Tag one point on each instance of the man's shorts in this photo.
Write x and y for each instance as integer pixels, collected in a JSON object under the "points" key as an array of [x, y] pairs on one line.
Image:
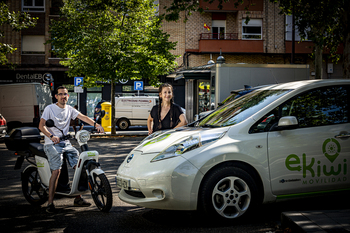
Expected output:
{"points": [[54, 153]]}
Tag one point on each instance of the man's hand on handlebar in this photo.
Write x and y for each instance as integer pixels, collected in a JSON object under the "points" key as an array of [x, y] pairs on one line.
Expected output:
{"points": [[55, 139], [99, 128]]}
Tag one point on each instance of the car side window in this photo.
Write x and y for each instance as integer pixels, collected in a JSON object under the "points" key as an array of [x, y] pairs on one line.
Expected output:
{"points": [[318, 107], [266, 122]]}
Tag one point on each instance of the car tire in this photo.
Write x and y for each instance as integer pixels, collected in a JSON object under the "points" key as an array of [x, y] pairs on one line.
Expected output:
{"points": [[227, 193], [123, 124]]}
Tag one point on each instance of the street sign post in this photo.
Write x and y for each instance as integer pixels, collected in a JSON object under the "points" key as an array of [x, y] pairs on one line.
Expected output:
{"points": [[138, 86]]}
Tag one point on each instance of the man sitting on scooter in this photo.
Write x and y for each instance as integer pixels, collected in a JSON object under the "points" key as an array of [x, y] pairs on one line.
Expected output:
{"points": [[61, 114]]}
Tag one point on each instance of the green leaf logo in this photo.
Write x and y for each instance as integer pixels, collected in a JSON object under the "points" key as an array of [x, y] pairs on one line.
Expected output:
{"points": [[331, 149]]}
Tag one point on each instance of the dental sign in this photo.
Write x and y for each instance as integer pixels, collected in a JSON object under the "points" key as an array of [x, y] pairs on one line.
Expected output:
{"points": [[333, 169]]}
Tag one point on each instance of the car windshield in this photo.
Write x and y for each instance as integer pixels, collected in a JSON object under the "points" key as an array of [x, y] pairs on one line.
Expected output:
{"points": [[241, 108]]}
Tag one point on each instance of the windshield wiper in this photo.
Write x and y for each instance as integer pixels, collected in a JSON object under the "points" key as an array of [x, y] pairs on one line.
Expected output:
{"points": [[209, 126]]}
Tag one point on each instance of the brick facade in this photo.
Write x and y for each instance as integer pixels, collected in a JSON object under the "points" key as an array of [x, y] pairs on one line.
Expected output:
{"points": [[273, 37]]}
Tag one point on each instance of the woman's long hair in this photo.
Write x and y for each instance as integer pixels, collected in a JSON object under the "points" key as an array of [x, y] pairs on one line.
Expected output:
{"points": [[160, 105]]}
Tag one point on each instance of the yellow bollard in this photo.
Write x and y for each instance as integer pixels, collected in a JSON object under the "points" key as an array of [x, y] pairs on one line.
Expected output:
{"points": [[106, 121]]}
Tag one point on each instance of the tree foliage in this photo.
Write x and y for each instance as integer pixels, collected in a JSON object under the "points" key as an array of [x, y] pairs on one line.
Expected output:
{"points": [[112, 40], [324, 22], [17, 21]]}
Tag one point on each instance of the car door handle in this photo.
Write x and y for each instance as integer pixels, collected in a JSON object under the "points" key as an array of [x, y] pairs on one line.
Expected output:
{"points": [[342, 136]]}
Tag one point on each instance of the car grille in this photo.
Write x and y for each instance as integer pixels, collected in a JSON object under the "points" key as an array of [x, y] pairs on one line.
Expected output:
{"points": [[135, 193]]}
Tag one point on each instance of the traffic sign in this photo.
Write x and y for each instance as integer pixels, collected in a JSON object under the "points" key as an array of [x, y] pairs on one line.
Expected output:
{"points": [[138, 86], [78, 90], [78, 81]]}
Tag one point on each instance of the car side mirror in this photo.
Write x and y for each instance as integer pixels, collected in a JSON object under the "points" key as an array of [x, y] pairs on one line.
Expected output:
{"points": [[288, 122], [50, 123]]}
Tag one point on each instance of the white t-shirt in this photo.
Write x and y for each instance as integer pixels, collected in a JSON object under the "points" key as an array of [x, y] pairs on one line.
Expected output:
{"points": [[61, 117]]}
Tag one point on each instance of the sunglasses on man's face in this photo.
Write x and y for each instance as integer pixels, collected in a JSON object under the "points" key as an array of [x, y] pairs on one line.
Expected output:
{"points": [[62, 94]]}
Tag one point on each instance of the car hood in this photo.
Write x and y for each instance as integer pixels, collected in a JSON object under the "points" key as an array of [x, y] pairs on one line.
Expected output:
{"points": [[161, 140]]}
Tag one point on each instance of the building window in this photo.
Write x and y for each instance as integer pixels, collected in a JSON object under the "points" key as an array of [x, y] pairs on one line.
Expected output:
{"points": [[33, 44], [33, 5], [252, 30], [289, 29], [218, 27]]}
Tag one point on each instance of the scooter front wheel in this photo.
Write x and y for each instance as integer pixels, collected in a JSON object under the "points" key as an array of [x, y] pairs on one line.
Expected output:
{"points": [[32, 189], [101, 192]]}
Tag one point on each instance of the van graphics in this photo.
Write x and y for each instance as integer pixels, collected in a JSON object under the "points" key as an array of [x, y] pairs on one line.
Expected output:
{"points": [[136, 102], [320, 171]]}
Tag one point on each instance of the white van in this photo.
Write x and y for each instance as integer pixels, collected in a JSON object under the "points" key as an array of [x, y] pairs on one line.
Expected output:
{"points": [[133, 110], [22, 104]]}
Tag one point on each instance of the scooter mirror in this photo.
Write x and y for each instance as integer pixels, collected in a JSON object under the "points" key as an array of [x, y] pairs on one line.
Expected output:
{"points": [[102, 114], [50, 123]]}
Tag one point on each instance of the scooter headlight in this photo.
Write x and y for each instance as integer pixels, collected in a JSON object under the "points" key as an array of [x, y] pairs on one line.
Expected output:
{"points": [[83, 136], [187, 144]]}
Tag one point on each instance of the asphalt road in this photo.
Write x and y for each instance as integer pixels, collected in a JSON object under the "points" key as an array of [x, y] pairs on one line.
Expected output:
{"points": [[17, 215]]}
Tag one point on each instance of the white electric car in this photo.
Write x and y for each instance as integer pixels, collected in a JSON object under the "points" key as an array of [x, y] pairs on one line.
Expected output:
{"points": [[282, 141]]}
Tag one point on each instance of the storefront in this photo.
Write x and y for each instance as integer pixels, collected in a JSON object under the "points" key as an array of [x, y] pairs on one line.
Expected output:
{"points": [[89, 98], [198, 91]]}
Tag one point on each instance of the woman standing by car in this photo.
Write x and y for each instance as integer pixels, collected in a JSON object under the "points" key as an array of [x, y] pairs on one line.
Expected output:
{"points": [[166, 115]]}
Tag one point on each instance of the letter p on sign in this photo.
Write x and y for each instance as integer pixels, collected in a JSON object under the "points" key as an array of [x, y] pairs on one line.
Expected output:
{"points": [[78, 81]]}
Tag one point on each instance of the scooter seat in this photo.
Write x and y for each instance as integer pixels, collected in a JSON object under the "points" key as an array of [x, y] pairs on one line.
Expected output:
{"points": [[37, 149]]}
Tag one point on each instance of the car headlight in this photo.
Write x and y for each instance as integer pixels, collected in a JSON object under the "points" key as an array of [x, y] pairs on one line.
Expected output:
{"points": [[187, 144]]}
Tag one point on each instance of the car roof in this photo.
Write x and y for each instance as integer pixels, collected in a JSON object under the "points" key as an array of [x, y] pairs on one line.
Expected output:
{"points": [[307, 84]]}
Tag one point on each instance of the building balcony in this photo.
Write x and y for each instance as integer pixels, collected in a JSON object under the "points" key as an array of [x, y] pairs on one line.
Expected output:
{"points": [[253, 5], [228, 43], [306, 47]]}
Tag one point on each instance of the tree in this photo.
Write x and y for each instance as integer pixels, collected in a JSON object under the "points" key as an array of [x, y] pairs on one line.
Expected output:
{"points": [[17, 21], [325, 22], [110, 40]]}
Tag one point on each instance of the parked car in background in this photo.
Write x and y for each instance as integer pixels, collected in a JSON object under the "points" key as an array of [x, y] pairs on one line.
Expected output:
{"points": [[133, 110], [234, 95], [23, 103], [279, 142], [3, 126]]}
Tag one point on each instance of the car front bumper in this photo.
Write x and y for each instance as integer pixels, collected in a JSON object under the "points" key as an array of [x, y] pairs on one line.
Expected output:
{"points": [[166, 184]]}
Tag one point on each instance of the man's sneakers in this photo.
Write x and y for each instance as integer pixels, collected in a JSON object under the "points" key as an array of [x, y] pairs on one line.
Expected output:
{"points": [[81, 202], [51, 208]]}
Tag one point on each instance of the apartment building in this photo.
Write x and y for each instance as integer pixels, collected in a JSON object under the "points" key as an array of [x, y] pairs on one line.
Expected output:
{"points": [[265, 39]]}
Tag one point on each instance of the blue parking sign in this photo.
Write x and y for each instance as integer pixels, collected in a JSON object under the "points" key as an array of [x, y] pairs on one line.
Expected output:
{"points": [[138, 85], [78, 81]]}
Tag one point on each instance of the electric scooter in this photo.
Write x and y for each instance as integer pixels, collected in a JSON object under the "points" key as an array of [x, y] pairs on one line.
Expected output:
{"points": [[88, 175]]}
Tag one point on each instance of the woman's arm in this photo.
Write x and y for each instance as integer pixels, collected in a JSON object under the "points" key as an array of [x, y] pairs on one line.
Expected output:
{"points": [[149, 124], [183, 121]]}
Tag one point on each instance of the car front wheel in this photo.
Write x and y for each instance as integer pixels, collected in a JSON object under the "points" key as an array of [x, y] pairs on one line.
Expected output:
{"points": [[228, 193]]}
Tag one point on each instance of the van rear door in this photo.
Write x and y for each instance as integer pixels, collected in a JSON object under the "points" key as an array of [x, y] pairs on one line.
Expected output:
{"points": [[141, 110]]}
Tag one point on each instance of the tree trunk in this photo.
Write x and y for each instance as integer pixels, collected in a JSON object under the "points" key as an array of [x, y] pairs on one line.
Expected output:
{"points": [[113, 131], [318, 61]]}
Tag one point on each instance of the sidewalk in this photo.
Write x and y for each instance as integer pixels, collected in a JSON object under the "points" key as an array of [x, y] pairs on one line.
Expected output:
{"points": [[317, 221]]}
